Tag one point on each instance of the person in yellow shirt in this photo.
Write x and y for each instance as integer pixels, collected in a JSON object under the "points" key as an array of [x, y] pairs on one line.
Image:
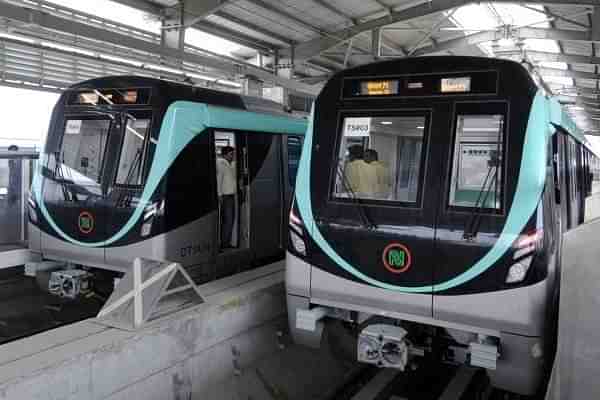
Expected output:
{"points": [[383, 173], [360, 178]]}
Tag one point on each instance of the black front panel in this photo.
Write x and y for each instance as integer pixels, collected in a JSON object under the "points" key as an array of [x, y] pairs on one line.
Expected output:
{"points": [[453, 220], [190, 188]]}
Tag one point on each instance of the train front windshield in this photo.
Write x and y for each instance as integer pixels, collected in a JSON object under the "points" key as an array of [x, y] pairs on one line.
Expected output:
{"points": [[380, 158], [83, 148]]}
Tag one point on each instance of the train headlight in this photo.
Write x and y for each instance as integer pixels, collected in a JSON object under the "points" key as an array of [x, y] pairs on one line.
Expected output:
{"points": [[518, 271], [297, 242], [297, 232], [32, 210]]}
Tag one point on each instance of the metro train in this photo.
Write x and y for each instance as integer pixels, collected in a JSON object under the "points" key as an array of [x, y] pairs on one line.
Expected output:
{"points": [[129, 170], [447, 236]]}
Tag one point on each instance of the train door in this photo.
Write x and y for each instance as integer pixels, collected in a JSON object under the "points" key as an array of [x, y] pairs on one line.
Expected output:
{"points": [[266, 194], [573, 195], [473, 207], [560, 183], [233, 228]]}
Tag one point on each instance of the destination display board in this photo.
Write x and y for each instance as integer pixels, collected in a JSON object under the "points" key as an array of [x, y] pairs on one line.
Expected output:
{"points": [[467, 83]]}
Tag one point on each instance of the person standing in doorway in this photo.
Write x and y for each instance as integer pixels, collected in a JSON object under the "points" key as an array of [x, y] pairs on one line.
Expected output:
{"points": [[226, 188]]}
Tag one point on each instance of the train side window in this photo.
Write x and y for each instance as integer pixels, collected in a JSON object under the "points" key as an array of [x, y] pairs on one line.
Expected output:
{"points": [[380, 158], [476, 179], [294, 149], [129, 170]]}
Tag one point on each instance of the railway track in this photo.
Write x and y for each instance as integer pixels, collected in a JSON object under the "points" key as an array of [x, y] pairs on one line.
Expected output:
{"points": [[430, 381]]}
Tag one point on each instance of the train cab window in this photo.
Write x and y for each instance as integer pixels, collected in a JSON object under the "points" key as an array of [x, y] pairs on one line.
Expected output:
{"points": [[380, 158], [476, 179], [82, 149], [129, 171], [294, 149]]}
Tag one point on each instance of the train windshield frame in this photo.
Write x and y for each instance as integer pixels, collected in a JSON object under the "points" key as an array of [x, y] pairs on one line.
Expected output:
{"points": [[86, 169], [137, 136], [477, 165], [382, 177]]}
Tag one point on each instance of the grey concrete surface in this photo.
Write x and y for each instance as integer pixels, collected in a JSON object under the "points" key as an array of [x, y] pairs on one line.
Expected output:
{"points": [[577, 366], [173, 358], [292, 373]]}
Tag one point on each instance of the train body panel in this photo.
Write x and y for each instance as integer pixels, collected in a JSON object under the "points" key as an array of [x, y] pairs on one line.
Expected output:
{"points": [[460, 229]]}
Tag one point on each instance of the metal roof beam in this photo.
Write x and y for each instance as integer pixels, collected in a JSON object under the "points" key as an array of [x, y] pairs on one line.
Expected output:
{"points": [[488, 36], [205, 26], [568, 73], [580, 91], [48, 21], [554, 34], [554, 16], [279, 11], [143, 5], [195, 11], [316, 46], [463, 41], [554, 57], [335, 10], [253, 27]]}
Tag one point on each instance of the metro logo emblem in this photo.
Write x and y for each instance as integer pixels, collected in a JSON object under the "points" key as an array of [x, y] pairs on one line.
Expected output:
{"points": [[396, 258], [85, 222]]}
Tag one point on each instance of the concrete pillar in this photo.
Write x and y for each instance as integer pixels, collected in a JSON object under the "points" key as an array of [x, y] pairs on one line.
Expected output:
{"points": [[376, 43], [596, 24]]}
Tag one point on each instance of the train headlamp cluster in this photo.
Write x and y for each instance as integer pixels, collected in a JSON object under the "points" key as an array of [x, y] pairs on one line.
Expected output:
{"points": [[32, 210], [151, 211], [296, 233], [524, 246]]}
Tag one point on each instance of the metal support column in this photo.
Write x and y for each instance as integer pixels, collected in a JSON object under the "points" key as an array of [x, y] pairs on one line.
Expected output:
{"points": [[376, 43], [596, 24], [173, 31]]}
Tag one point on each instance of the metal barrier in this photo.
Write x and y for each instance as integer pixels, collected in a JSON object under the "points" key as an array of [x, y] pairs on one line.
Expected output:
{"points": [[150, 290], [16, 173]]}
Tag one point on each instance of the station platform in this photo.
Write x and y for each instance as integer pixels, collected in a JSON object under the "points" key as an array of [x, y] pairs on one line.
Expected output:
{"points": [[577, 364], [203, 352]]}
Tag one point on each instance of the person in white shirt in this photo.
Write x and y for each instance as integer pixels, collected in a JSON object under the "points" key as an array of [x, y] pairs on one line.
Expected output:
{"points": [[226, 188]]}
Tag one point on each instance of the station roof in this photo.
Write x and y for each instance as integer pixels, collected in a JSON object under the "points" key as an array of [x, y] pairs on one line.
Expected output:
{"points": [[558, 40]]}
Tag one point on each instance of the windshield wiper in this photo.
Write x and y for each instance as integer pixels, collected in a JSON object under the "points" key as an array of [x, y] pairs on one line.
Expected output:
{"points": [[474, 221], [362, 212]]}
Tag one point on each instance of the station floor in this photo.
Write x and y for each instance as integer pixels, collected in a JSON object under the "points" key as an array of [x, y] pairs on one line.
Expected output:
{"points": [[577, 366]]}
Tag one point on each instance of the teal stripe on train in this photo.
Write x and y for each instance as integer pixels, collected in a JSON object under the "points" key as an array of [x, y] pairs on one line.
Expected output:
{"points": [[530, 186], [182, 122]]}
